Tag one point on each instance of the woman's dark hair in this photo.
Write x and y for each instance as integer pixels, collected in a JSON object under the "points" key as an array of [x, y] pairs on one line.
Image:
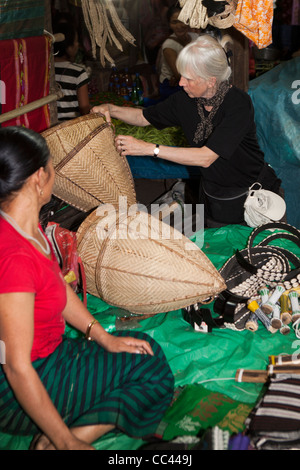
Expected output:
{"points": [[22, 153], [68, 30], [173, 9]]}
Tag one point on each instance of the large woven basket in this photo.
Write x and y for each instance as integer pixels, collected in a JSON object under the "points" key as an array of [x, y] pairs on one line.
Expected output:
{"points": [[143, 265], [89, 170]]}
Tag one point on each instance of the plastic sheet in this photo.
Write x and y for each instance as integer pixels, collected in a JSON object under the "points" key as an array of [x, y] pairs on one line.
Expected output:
{"points": [[276, 99], [209, 360]]}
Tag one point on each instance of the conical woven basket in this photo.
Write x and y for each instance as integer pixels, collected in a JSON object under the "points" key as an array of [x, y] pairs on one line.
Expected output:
{"points": [[89, 171], [143, 265]]}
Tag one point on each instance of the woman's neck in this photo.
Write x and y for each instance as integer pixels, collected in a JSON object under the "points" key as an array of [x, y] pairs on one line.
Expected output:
{"points": [[62, 59], [184, 40], [26, 217]]}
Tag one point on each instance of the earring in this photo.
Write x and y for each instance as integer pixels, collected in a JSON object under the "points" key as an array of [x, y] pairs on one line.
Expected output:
{"points": [[41, 192]]}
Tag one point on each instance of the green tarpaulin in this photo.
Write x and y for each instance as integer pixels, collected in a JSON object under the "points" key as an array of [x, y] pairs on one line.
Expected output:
{"points": [[204, 364]]}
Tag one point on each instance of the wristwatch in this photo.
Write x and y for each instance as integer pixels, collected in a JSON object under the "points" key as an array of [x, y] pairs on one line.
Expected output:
{"points": [[156, 151]]}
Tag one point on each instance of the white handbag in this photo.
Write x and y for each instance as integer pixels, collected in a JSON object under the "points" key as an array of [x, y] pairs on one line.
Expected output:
{"points": [[263, 206]]}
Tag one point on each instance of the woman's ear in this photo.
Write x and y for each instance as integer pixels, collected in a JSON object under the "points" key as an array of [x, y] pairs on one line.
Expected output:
{"points": [[39, 179], [212, 82]]}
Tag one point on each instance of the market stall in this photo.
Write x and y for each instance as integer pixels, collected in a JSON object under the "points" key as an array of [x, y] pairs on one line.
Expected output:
{"points": [[204, 365]]}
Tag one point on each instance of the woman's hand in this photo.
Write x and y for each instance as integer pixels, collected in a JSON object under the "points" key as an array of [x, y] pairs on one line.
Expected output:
{"points": [[102, 109], [128, 344], [41, 442], [128, 145]]}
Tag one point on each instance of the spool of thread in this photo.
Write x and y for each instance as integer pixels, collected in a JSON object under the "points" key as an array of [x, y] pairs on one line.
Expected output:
{"points": [[293, 296], [251, 376], [285, 330], [286, 317], [254, 307], [268, 306], [252, 324], [285, 359], [276, 320], [264, 294]]}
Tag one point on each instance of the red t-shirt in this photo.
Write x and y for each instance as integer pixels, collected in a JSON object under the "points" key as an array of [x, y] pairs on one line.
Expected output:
{"points": [[24, 269]]}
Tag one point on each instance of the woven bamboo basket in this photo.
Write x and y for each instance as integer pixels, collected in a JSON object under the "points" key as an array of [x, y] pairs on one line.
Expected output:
{"points": [[143, 265], [89, 171]]}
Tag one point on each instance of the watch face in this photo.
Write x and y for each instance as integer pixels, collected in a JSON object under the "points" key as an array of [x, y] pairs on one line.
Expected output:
{"points": [[156, 151]]}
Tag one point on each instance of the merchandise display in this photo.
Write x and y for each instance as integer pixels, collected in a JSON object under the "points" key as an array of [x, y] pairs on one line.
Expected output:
{"points": [[204, 364]]}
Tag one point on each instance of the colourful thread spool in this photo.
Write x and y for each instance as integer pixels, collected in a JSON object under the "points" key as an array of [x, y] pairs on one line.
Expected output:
{"points": [[254, 307], [286, 317], [293, 296], [252, 324], [269, 305], [285, 330], [264, 294], [276, 321]]}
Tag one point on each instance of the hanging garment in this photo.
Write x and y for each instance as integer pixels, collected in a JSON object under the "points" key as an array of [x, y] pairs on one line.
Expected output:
{"points": [[19, 19], [24, 74], [254, 18]]}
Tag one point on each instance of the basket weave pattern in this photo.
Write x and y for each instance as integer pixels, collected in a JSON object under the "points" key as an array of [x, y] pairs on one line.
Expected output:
{"points": [[144, 274], [89, 170]]}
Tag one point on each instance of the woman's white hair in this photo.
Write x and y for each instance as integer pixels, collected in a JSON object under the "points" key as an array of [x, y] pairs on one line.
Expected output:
{"points": [[206, 58]]}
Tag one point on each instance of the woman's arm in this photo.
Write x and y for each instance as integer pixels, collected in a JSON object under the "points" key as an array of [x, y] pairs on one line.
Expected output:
{"points": [[133, 116], [77, 315], [16, 326], [170, 56], [203, 156], [83, 99]]}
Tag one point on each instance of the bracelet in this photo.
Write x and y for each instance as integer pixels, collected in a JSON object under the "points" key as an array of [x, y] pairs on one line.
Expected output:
{"points": [[156, 151], [88, 330]]}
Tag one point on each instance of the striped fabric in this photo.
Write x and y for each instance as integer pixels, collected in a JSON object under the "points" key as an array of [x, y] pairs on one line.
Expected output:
{"points": [[70, 77], [88, 386], [275, 421], [21, 19]]}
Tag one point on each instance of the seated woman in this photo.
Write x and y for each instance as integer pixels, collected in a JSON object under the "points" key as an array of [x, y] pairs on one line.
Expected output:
{"points": [[71, 77], [65, 391], [180, 37]]}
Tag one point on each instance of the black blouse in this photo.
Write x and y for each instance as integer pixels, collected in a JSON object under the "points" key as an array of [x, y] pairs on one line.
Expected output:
{"points": [[233, 138]]}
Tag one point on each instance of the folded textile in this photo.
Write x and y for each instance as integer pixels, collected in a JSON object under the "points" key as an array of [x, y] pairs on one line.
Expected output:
{"points": [[24, 74], [274, 422]]}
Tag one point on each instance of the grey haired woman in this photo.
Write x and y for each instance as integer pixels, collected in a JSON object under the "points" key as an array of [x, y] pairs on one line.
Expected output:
{"points": [[218, 121]]}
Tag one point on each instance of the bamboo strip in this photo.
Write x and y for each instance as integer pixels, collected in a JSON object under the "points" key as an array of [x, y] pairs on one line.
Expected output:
{"points": [[261, 376], [30, 106], [251, 376], [284, 360]]}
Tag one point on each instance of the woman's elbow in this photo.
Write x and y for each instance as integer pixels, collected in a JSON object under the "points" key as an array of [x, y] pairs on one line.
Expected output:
{"points": [[13, 369], [208, 160], [206, 164]]}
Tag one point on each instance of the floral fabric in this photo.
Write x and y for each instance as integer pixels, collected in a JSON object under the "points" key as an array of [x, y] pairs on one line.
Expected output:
{"points": [[254, 19]]}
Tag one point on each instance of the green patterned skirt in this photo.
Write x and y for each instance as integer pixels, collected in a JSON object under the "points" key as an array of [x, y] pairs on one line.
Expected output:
{"points": [[89, 385]]}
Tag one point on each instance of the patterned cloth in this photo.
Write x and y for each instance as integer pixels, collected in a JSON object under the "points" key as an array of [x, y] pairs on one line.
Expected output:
{"points": [[20, 19], [254, 18], [274, 422], [24, 74], [89, 385]]}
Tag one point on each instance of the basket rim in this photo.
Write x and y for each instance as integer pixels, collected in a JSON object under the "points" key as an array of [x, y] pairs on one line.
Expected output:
{"points": [[75, 121]]}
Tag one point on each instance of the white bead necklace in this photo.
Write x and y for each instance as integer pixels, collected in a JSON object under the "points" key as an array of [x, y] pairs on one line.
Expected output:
{"points": [[14, 224]]}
